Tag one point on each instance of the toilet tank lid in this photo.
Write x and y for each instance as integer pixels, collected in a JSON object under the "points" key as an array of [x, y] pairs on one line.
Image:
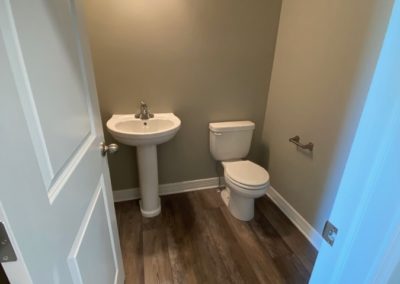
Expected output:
{"points": [[231, 126]]}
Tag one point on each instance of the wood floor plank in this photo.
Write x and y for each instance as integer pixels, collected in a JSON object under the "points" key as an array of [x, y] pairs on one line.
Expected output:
{"points": [[292, 269], [261, 262], [197, 240], [210, 199], [210, 267], [3, 276], [285, 260], [233, 257], [289, 233], [157, 266], [268, 236], [130, 232], [180, 249], [226, 245]]}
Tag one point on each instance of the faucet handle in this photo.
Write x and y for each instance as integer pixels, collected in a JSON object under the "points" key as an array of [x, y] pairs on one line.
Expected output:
{"points": [[143, 106], [144, 112]]}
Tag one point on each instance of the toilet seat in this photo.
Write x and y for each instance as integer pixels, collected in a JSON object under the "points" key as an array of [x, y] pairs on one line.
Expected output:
{"points": [[244, 186], [246, 174]]}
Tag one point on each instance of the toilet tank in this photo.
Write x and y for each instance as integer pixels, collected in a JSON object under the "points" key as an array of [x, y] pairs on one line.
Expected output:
{"points": [[230, 140]]}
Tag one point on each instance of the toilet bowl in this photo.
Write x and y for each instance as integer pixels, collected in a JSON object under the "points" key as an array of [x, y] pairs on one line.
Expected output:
{"points": [[245, 181]]}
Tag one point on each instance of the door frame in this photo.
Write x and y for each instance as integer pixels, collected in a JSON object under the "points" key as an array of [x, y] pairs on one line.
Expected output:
{"points": [[366, 163]]}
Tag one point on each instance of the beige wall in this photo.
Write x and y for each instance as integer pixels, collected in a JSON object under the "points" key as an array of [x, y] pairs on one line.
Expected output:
{"points": [[203, 60], [325, 57]]}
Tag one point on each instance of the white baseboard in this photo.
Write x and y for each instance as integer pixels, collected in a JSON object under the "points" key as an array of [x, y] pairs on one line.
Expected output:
{"points": [[126, 194], [304, 227], [178, 187], [168, 188]]}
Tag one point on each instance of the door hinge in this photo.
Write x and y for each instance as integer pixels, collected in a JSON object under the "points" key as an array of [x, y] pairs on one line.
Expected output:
{"points": [[7, 253], [329, 233]]}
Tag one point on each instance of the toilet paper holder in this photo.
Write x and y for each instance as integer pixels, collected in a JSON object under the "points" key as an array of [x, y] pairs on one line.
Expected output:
{"points": [[296, 140]]}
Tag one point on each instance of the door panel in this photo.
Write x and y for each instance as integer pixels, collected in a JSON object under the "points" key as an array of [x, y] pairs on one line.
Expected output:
{"points": [[44, 34], [67, 173], [55, 191], [94, 232], [366, 209]]}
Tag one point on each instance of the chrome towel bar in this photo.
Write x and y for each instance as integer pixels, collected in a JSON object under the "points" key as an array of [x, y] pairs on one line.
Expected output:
{"points": [[296, 140]]}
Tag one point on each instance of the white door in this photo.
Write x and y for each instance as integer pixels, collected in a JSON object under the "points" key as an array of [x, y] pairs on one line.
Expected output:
{"points": [[55, 192], [367, 206]]}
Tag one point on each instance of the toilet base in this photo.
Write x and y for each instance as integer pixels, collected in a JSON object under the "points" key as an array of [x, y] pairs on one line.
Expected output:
{"points": [[241, 208], [225, 196]]}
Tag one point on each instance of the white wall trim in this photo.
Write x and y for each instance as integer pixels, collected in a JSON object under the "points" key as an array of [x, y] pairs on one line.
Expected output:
{"points": [[168, 188], [126, 194], [304, 227], [172, 188]]}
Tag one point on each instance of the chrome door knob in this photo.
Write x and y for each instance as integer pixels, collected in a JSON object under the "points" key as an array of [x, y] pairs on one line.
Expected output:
{"points": [[112, 148]]}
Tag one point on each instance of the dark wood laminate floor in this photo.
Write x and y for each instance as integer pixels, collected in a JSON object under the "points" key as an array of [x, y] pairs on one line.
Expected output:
{"points": [[196, 240]]}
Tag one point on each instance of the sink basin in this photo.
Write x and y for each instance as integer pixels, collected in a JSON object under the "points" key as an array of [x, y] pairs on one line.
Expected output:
{"points": [[145, 135], [135, 132]]}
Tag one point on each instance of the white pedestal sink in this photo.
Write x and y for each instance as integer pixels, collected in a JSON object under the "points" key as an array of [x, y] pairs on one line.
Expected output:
{"points": [[145, 135]]}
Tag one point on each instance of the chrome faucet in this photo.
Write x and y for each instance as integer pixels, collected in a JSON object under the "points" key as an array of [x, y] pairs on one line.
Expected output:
{"points": [[144, 112]]}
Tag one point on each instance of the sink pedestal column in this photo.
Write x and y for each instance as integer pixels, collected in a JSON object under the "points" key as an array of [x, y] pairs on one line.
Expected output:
{"points": [[150, 205]]}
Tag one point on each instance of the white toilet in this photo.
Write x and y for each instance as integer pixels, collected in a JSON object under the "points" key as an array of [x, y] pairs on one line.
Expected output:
{"points": [[230, 143]]}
